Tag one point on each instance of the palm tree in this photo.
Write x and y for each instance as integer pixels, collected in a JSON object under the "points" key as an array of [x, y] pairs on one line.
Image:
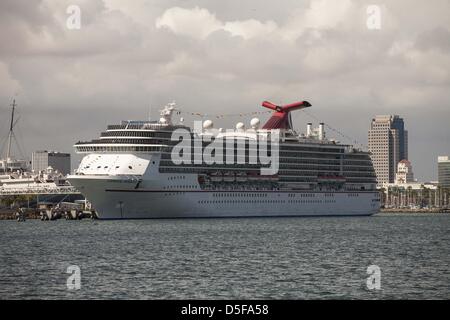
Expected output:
{"points": [[408, 196], [383, 196], [426, 200], [446, 193], [421, 196]]}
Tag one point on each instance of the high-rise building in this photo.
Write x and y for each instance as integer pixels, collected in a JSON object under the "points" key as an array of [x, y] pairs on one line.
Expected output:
{"points": [[444, 171], [388, 143], [41, 160]]}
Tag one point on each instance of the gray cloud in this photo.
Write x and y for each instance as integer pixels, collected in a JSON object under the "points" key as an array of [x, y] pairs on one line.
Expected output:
{"points": [[216, 56]]}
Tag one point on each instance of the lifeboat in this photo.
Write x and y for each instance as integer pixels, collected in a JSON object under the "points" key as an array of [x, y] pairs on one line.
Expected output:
{"points": [[216, 177], [241, 177], [330, 178], [229, 177]]}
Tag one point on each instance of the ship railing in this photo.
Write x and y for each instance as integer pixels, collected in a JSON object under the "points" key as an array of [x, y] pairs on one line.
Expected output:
{"points": [[143, 126], [24, 191]]}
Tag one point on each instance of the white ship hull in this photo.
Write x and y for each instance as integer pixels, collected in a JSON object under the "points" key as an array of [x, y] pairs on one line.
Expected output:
{"points": [[117, 198]]}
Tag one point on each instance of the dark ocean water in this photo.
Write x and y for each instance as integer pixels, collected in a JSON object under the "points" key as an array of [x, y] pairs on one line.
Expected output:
{"points": [[267, 258]]}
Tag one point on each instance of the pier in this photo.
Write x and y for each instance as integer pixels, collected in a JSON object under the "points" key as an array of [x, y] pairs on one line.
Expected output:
{"points": [[38, 190], [47, 214], [44, 203]]}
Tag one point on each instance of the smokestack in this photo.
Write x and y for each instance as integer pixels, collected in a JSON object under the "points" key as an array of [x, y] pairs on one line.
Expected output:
{"points": [[321, 131], [309, 129]]}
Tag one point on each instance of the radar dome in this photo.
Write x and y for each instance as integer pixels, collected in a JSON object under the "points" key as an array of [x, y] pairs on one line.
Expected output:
{"points": [[162, 120], [208, 124], [240, 126], [255, 123]]}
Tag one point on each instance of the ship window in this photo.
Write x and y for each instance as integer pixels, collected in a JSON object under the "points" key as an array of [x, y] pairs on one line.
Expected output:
{"points": [[130, 167]]}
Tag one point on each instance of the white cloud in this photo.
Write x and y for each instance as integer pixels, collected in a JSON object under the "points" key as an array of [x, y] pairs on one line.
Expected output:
{"points": [[250, 28], [182, 64], [199, 23], [225, 53], [9, 86], [326, 14], [325, 59], [320, 15], [196, 22]]}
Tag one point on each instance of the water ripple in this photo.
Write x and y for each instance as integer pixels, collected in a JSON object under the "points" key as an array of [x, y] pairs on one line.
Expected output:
{"points": [[288, 258]]}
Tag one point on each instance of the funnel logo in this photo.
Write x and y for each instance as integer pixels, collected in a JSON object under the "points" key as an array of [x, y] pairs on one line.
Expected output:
{"points": [[232, 148]]}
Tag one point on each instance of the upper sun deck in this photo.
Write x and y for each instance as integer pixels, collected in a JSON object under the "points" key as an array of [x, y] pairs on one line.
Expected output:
{"points": [[154, 136], [130, 125]]}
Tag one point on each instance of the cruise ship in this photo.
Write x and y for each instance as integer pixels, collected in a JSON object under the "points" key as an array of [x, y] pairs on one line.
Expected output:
{"points": [[165, 169]]}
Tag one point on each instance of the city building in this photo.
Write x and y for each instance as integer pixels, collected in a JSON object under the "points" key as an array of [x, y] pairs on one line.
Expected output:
{"points": [[404, 172], [388, 143], [444, 171], [41, 160], [406, 192]]}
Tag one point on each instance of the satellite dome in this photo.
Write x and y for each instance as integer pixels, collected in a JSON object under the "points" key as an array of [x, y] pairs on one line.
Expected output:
{"points": [[254, 123], [208, 124], [162, 120], [240, 126]]}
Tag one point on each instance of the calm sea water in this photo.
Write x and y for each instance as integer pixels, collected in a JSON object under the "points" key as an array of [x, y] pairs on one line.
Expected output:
{"points": [[270, 258]]}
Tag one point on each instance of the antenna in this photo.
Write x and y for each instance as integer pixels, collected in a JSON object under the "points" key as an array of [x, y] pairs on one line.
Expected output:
{"points": [[11, 133]]}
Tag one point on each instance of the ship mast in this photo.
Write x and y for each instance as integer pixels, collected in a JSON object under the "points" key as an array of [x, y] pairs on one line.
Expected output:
{"points": [[10, 136]]}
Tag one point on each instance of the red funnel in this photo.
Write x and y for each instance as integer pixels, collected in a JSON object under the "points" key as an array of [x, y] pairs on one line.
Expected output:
{"points": [[280, 118]]}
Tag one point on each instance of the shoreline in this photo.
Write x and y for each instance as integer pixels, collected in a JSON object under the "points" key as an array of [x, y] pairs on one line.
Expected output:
{"points": [[398, 210], [10, 214]]}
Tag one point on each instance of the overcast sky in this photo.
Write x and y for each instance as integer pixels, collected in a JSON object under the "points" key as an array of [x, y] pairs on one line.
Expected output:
{"points": [[220, 57]]}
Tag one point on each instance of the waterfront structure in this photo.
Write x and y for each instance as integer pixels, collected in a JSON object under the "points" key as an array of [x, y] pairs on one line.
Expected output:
{"points": [[9, 163], [444, 171], [41, 160], [408, 193], [404, 172], [388, 144], [130, 171], [46, 183], [415, 195]]}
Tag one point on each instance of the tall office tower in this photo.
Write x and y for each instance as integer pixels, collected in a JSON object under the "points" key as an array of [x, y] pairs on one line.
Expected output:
{"points": [[388, 143], [444, 171], [41, 160]]}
